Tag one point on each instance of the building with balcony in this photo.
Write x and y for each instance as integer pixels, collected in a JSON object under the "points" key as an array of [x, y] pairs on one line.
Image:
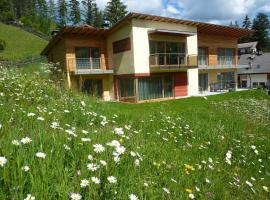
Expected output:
{"points": [[144, 58]]}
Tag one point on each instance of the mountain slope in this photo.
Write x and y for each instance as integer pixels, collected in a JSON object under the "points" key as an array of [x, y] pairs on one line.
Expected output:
{"points": [[19, 43]]}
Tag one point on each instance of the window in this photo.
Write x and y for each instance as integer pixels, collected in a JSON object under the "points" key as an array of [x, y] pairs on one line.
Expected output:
{"points": [[121, 45], [225, 56], [155, 87], [166, 53], [202, 58], [226, 80], [254, 84], [126, 87], [92, 87], [87, 58]]}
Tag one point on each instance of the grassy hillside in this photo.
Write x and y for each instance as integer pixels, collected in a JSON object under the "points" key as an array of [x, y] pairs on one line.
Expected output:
{"points": [[213, 148], [20, 44]]}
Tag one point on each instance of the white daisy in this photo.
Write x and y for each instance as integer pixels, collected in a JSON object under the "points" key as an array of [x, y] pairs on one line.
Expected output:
{"points": [[98, 148], [30, 197], [84, 183], [103, 162], [85, 139], [40, 155], [191, 196], [95, 180], [26, 168], [119, 131], [15, 142], [3, 161], [90, 157], [75, 196], [26, 140], [133, 197], [92, 167], [112, 179]]}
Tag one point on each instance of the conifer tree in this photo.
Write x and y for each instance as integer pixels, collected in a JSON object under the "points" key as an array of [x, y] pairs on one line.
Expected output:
{"points": [[88, 12], [75, 13], [62, 12], [246, 23], [114, 11], [52, 10]]}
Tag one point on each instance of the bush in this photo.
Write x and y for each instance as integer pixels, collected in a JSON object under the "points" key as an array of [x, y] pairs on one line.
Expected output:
{"points": [[2, 45]]}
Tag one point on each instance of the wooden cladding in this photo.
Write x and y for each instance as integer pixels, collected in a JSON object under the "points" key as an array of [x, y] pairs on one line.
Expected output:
{"points": [[121, 45], [180, 84]]}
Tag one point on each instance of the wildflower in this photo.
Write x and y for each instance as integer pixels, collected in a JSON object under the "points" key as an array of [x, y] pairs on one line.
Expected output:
{"points": [[31, 114], [207, 180], [85, 132], [84, 183], [112, 179], [188, 190], [15, 142], [3, 161], [188, 168], [83, 104], [249, 184], [75, 196], [103, 162], [166, 190], [137, 162], [85, 139], [265, 188], [30, 197], [119, 131], [191, 196], [66, 147], [145, 184], [228, 157], [40, 155], [55, 125], [40, 119], [132, 153], [1, 126], [116, 159], [92, 167], [114, 143], [95, 180], [98, 148], [90, 157], [120, 150], [26, 140], [133, 197], [26, 168]]}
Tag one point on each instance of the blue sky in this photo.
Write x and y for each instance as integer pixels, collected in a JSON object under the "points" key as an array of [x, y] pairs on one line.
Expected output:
{"points": [[213, 11]]}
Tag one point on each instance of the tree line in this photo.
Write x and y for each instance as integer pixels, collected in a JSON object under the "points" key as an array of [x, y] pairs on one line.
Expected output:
{"points": [[46, 15], [261, 25]]}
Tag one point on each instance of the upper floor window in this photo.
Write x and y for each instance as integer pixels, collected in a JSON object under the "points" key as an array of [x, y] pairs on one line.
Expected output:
{"points": [[202, 56], [166, 53], [225, 56], [87, 57], [121, 45]]}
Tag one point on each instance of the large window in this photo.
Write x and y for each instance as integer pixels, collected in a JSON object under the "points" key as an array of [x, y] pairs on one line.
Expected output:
{"points": [[87, 58], [121, 45], [202, 58], [225, 56], [126, 86], [167, 53], [155, 87], [226, 80]]}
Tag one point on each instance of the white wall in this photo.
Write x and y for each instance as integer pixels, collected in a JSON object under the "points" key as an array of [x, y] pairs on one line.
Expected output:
{"points": [[254, 78], [193, 82]]}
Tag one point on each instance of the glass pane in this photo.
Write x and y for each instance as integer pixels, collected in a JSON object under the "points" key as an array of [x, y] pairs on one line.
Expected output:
{"points": [[150, 88], [95, 58], [126, 87], [82, 52], [168, 86], [161, 52], [152, 46]]}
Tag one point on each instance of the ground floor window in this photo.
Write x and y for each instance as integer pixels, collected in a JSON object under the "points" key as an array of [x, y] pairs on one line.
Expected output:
{"points": [[203, 82], [127, 87], [93, 87], [155, 87], [226, 80]]}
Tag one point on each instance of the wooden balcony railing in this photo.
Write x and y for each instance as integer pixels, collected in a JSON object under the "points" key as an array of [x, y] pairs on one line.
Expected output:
{"points": [[172, 60], [89, 64]]}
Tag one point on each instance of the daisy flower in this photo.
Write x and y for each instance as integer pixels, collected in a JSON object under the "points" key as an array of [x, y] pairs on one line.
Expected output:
{"points": [[98, 148], [30, 197], [84, 183], [40, 155], [95, 180], [112, 179], [26, 140], [119, 131], [26, 168], [92, 167], [75, 196], [3, 161], [133, 197]]}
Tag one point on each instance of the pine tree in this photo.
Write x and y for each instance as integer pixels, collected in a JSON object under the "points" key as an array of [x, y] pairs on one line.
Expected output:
{"points": [[114, 11], [236, 24], [99, 19], [41, 8], [62, 12], [246, 23], [88, 12], [6, 13], [75, 13], [262, 26], [231, 24], [52, 10]]}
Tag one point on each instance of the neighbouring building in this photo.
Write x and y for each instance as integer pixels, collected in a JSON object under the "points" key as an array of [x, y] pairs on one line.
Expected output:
{"points": [[144, 58], [257, 74]]}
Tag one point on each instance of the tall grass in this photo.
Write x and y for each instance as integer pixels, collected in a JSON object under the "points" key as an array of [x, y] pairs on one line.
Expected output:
{"points": [[173, 150]]}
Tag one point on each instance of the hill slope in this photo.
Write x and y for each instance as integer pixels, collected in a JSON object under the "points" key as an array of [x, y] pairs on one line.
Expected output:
{"points": [[214, 148], [20, 44]]}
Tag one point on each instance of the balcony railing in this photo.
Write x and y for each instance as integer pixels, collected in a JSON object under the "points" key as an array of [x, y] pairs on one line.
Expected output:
{"points": [[172, 60], [226, 60], [202, 60], [75, 64]]}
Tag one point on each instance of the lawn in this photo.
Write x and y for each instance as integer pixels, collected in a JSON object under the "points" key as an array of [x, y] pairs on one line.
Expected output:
{"points": [[19, 44], [204, 148]]}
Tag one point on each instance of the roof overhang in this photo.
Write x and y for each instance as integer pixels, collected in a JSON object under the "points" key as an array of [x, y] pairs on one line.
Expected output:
{"points": [[170, 32]]}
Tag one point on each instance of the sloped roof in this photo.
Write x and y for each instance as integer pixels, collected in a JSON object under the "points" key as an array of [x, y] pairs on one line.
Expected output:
{"points": [[202, 27], [260, 64], [251, 45]]}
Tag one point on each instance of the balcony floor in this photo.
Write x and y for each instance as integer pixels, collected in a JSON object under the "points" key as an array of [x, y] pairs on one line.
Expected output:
{"points": [[93, 71]]}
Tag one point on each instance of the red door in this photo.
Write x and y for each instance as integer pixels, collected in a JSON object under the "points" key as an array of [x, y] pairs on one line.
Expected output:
{"points": [[180, 84]]}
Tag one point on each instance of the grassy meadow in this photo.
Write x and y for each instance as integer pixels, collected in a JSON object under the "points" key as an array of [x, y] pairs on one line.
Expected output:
{"points": [[55, 144], [19, 44]]}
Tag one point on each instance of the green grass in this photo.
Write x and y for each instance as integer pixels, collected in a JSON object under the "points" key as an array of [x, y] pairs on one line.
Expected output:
{"points": [[19, 44], [164, 136]]}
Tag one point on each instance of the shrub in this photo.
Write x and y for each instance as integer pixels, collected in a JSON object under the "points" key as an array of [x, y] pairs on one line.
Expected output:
{"points": [[2, 45]]}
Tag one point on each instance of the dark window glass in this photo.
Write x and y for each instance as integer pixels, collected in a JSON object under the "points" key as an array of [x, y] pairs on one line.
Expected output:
{"points": [[126, 87]]}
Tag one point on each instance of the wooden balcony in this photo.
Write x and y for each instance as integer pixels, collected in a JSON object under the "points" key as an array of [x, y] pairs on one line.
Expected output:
{"points": [[90, 65], [172, 61]]}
